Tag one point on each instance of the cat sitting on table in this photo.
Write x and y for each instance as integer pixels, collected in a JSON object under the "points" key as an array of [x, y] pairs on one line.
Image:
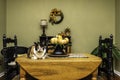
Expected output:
{"points": [[36, 51]]}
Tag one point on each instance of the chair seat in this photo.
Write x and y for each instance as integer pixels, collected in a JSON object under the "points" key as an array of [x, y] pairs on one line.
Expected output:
{"points": [[12, 63]]}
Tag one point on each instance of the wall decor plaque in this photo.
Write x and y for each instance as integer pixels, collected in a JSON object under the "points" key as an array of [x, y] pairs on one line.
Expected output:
{"points": [[56, 16]]}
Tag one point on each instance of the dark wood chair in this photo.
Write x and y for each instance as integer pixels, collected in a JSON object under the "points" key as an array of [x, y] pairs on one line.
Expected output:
{"points": [[105, 52], [9, 54]]}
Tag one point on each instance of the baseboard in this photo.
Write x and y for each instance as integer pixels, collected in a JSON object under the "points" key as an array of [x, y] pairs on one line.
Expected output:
{"points": [[1, 74], [117, 72]]}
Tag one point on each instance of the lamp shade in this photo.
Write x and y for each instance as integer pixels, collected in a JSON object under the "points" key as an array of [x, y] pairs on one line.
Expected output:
{"points": [[43, 22]]}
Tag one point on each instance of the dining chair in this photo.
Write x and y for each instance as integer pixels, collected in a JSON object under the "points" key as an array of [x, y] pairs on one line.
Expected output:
{"points": [[10, 51], [105, 52]]}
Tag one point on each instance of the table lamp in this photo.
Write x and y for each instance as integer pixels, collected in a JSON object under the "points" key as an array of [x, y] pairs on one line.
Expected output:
{"points": [[43, 24]]}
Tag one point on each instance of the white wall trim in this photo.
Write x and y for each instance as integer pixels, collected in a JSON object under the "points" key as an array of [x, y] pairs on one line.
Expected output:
{"points": [[117, 72]]}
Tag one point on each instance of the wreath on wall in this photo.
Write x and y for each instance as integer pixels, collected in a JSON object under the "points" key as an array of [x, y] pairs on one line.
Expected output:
{"points": [[56, 16]]}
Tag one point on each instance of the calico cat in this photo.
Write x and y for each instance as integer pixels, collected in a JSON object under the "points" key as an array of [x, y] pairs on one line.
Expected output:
{"points": [[36, 51]]}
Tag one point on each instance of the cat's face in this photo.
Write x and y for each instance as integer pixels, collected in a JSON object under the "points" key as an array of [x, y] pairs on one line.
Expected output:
{"points": [[38, 47]]}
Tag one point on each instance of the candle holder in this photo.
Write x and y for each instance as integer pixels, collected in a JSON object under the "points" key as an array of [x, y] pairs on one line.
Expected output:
{"points": [[43, 24]]}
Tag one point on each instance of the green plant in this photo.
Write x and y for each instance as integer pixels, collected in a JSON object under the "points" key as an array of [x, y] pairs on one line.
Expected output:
{"points": [[67, 30], [115, 51]]}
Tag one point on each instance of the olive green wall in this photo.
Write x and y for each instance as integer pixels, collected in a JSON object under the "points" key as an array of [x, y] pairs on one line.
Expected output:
{"points": [[117, 30], [2, 20], [118, 23], [87, 20], [2, 25]]}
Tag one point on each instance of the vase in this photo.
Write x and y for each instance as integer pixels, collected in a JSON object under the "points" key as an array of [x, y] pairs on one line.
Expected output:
{"points": [[59, 50]]}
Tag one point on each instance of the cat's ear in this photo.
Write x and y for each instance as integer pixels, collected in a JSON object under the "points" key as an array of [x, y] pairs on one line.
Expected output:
{"points": [[38, 42], [41, 45], [36, 45]]}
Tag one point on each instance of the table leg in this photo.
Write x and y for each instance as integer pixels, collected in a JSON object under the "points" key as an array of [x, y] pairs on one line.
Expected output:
{"points": [[22, 74], [94, 75]]}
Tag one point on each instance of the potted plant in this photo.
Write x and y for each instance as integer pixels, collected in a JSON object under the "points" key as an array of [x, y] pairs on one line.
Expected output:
{"points": [[115, 51]]}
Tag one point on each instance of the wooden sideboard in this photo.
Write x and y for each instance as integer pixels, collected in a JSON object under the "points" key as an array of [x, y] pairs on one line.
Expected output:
{"points": [[60, 68]]}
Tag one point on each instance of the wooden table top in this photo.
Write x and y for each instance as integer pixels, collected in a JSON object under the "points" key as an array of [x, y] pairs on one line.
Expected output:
{"points": [[62, 68]]}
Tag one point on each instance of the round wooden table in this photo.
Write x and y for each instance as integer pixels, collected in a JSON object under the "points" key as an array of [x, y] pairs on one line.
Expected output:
{"points": [[62, 68]]}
